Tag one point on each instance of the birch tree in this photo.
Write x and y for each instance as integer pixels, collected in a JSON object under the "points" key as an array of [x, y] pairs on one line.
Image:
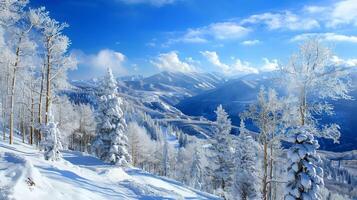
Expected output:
{"points": [[266, 116]]}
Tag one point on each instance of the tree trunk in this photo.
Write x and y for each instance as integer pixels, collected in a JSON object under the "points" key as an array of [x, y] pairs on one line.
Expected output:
{"points": [[48, 81], [12, 99], [39, 117], [6, 99], [22, 124], [32, 118], [265, 171], [271, 173]]}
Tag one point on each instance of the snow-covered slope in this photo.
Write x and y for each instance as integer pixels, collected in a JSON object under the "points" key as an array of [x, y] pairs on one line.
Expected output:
{"points": [[24, 174]]}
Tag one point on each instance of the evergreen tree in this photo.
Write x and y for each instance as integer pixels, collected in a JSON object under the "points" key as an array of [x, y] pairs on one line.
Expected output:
{"points": [[221, 146], [246, 181], [305, 178], [196, 170], [111, 143], [165, 156], [51, 143]]}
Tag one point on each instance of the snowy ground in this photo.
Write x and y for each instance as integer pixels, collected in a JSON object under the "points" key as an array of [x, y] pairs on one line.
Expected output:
{"points": [[24, 174]]}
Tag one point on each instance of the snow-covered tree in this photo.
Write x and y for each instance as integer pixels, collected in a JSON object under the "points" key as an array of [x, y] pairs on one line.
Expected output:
{"points": [[266, 115], [246, 181], [305, 178], [311, 78], [196, 174], [51, 143], [65, 114], [165, 156], [16, 46], [222, 153], [111, 143], [56, 58]]}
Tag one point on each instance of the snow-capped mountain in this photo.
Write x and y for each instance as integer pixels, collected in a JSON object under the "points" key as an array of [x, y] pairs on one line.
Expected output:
{"points": [[186, 100], [174, 86], [156, 95], [235, 95]]}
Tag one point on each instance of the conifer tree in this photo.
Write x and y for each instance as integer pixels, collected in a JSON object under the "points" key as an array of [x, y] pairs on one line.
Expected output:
{"points": [[111, 143]]}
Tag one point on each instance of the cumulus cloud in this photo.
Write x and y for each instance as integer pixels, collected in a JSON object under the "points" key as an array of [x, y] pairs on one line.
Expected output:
{"points": [[269, 65], [238, 67], [171, 62], [243, 67], [150, 2], [339, 13], [344, 12], [213, 58], [92, 65], [250, 42], [331, 37], [344, 62]]}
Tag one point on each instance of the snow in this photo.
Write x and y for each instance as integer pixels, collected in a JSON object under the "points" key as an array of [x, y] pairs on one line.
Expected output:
{"points": [[79, 176]]}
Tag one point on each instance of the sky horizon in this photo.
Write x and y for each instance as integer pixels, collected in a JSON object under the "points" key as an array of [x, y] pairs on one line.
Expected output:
{"points": [[232, 37]]}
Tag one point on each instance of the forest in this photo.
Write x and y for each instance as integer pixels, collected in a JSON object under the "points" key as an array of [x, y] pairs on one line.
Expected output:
{"points": [[273, 154]]}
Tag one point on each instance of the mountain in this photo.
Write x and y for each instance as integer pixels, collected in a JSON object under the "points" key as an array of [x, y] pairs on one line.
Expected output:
{"points": [[235, 95], [156, 95], [175, 86], [25, 174]]}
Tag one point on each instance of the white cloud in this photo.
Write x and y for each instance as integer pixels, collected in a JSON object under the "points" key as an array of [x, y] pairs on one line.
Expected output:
{"points": [[243, 67], [344, 12], [171, 62], [331, 37], [93, 65], [194, 36], [284, 20], [227, 30], [250, 42], [344, 62], [213, 58], [151, 2], [315, 9], [216, 31], [238, 67], [269, 65]]}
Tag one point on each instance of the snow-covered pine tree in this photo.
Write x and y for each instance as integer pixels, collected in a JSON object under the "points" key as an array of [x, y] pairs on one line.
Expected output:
{"points": [[165, 156], [196, 169], [246, 181], [51, 143], [221, 146], [111, 143], [304, 176]]}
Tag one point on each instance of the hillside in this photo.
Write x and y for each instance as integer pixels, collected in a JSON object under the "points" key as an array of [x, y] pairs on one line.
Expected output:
{"points": [[26, 175]]}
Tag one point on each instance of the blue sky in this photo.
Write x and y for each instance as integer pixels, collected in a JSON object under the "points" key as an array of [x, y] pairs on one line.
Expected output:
{"points": [[228, 36]]}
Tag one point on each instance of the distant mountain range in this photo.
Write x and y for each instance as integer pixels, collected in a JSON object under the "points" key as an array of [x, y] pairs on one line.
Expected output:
{"points": [[187, 100], [235, 95]]}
